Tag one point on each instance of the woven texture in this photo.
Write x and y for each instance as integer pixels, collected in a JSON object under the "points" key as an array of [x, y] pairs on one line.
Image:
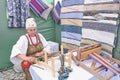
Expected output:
{"points": [[56, 12], [71, 24], [38, 6], [100, 24]]}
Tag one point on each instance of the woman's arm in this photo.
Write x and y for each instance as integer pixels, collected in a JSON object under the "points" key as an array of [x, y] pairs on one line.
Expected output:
{"points": [[26, 58]]}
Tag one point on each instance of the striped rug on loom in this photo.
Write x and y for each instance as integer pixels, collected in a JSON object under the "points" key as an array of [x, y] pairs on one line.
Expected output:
{"points": [[71, 24], [100, 23]]}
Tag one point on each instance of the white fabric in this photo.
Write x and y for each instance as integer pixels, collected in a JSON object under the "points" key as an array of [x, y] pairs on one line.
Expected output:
{"points": [[78, 73], [21, 48], [30, 22]]}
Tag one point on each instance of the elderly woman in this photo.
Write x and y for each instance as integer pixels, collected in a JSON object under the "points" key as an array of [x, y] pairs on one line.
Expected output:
{"points": [[27, 48]]}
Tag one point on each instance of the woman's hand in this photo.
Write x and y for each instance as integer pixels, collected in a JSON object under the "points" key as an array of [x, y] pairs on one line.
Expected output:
{"points": [[39, 54], [30, 58], [26, 58]]}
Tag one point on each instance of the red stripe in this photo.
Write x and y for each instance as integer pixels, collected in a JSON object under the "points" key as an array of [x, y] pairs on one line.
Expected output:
{"points": [[40, 9]]}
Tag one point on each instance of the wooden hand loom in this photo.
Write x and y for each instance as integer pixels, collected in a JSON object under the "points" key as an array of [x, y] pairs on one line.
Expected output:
{"points": [[46, 65], [105, 61], [52, 59], [82, 52]]}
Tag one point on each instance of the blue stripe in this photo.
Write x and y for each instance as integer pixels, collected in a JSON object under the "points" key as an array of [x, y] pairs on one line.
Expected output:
{"points": [[74, 29], [72, 2], [34, 8], [107, 27], [72, 15], [71, 35]]}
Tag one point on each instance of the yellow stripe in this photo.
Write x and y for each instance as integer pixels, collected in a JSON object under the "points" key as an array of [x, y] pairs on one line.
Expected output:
{"points": [[74, 22], [55, 11]]}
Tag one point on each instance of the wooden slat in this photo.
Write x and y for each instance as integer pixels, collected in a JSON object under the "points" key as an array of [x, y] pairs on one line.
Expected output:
{"points": [[84, 55], [91, 71], [99, 68], [93, 65]]}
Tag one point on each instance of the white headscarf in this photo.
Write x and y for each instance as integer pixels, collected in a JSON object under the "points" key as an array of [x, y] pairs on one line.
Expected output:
{"points": [[30, 22]]}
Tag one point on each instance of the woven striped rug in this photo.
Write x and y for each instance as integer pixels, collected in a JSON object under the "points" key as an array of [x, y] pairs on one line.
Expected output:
{"points": [[100, 24], [71, 25], [89, 21]]}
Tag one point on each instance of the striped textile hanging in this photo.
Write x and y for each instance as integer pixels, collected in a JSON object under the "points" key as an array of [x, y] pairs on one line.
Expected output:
{"points": [[100, 24], [38, 7], [56, 12], [71, 25]]}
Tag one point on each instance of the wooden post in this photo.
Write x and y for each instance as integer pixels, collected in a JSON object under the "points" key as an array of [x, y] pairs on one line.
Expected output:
{"points": [[69, 59], [53, 68], [62, 49], [46, 58]]}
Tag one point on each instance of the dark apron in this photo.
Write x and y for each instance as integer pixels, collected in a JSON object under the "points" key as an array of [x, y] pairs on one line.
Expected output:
{"points": [[31, 51]]}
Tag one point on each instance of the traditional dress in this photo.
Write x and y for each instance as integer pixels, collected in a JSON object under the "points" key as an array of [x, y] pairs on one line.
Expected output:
{"points": [[21, 47]]}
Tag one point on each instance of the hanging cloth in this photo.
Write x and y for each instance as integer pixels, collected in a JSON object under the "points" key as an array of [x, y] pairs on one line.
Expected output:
{"points": [[18, 12]]}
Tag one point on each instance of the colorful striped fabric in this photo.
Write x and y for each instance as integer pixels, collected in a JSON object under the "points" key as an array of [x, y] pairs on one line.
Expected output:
{"points": [[47, 11], [98, 58], [38, 6], [73, 29], [71, 25], [74, 22], [105, 47], [71, 35], [72, 2], [99, 1], [56, 12], [98, 7], [100, 24], [102, 30], [74, 15]]}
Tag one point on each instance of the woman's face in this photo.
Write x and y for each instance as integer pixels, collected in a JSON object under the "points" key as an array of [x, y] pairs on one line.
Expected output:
{"points": [[32, 31]]}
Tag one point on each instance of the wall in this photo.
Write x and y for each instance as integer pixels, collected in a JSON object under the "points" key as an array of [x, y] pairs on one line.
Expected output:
{"points": [[116, 50]]}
